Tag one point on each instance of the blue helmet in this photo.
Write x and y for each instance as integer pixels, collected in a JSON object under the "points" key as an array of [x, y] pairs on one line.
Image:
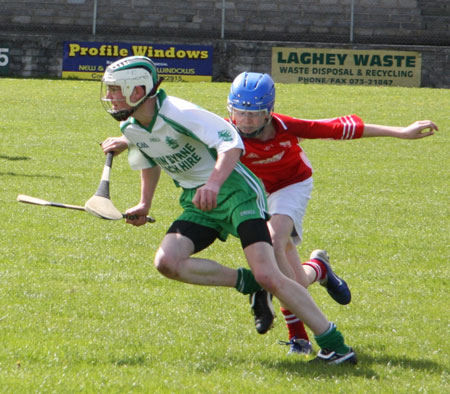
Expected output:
{"points": [[252, 92]]}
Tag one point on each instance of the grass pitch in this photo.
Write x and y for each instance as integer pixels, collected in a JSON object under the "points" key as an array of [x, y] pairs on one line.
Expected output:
{"points": [[82, 309]]}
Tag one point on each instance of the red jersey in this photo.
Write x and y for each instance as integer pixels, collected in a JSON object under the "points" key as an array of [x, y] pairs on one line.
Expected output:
{"points": [[281, 162]]}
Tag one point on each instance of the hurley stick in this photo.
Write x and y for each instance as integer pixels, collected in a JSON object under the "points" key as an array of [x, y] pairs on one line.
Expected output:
{"points": [[39, 201]]}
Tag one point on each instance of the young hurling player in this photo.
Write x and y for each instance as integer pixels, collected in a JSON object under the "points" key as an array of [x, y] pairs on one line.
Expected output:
{"points": [[201, 152], [273, 153]]}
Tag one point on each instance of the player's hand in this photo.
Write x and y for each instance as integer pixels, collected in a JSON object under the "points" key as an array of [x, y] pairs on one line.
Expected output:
{"points": [[206, 197], [114, 144], [419, 129], [138, 214]]}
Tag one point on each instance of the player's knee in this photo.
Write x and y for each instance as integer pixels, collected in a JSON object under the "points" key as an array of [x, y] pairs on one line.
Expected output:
{"points": [[166, 265], [266, 280]]}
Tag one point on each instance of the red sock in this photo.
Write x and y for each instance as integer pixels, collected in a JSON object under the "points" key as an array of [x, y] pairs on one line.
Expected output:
{"points": [[295, 326], [318, 267]]}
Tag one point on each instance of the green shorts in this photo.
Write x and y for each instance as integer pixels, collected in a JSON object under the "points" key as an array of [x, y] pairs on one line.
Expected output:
{"points": [[241, 198]]}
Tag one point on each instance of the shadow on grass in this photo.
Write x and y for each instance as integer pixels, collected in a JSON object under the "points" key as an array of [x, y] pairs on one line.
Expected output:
{"points": [[405, 362], [14, 158], [127, 361], [23, 158], [298, 367], [30, 175], [362, 369], [301, 367]]}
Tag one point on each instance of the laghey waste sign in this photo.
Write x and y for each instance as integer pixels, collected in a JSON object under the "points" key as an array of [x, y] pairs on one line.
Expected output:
{"points": [[346, 67], [88, 60]]}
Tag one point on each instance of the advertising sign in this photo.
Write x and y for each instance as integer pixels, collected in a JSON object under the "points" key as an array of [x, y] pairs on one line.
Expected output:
{"points": [[4, 61], [346, 67], [88, 60]]}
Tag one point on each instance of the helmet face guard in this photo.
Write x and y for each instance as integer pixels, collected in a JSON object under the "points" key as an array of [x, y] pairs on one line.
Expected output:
{"points": [[252, 93], [127, 74], [252, 121]]}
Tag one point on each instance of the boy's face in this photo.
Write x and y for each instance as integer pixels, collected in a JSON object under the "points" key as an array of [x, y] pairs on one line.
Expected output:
{"points": [[115, 96], [118, 100], [249, 121]]}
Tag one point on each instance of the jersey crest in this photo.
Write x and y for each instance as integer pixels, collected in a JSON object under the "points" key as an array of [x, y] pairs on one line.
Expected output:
{"points": [[225, 135], [172, 142]]}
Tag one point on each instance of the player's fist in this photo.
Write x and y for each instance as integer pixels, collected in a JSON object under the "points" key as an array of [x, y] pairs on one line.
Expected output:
{"points": [[206, 197], [419, 129]]}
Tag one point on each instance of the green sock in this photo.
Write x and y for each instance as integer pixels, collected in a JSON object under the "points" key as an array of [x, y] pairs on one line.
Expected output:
{"points": [[246, 283], [332, 339]]}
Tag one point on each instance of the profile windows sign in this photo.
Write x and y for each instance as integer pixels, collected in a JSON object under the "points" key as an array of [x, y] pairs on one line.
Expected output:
{"points": [[88, 60]]}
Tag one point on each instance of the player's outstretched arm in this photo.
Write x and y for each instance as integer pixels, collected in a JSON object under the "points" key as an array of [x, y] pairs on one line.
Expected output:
{"points": [[416, 130]]}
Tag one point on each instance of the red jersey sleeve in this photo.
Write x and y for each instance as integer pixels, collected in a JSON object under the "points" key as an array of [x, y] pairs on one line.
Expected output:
{"points": [[343, 128]]}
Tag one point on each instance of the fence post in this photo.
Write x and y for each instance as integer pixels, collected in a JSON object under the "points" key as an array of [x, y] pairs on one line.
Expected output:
{"points": [[352, 19], [94, 18], [222, 30]]}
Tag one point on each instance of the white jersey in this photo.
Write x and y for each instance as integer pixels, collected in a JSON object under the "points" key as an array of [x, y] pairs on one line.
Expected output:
{"points": [[183, 139]]}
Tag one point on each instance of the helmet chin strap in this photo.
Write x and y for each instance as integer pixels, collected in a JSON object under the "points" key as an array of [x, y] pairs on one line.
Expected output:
{"points": [[251, 135], [255, 133], [124, 114]]}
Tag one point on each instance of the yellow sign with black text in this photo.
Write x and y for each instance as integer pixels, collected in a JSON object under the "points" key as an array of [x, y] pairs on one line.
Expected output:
{"points": [[346, 66]]}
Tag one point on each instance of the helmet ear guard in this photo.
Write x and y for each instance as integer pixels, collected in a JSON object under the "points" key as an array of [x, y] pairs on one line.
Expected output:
{"points": [[128, 73]]}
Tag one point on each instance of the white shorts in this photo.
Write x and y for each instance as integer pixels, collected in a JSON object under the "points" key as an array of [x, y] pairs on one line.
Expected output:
{"points": [[292, 201]]}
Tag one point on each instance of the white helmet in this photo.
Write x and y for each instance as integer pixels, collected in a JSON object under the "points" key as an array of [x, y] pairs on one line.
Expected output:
{"points": [[127, 73]]}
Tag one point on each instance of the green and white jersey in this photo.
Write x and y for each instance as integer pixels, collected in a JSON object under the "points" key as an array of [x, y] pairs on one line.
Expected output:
{"points": [[183, 139]]}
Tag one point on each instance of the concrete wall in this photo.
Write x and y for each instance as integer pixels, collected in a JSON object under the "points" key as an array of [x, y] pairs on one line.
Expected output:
{"points": [[423, 22]]}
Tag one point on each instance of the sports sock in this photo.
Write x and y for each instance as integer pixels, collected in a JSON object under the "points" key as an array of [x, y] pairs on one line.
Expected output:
{"points": [[246, 283], [332, 339], [319, 268], [294, 325]]}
